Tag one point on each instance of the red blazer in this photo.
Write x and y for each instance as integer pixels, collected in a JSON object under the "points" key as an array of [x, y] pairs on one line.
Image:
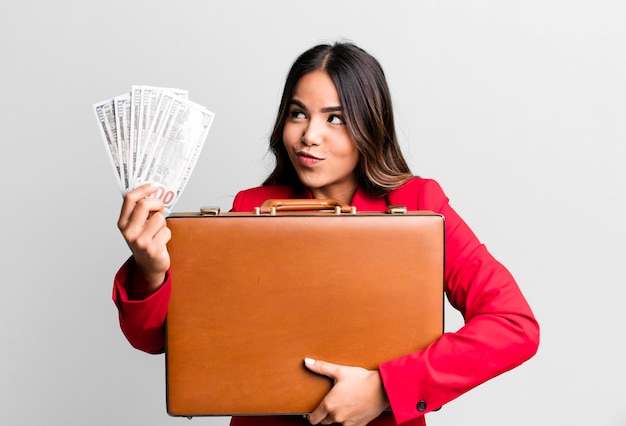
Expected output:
{"points": [[500, 331]]}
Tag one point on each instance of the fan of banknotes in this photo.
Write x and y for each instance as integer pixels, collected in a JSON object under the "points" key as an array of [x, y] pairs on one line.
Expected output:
{"points": [[153, 134]]}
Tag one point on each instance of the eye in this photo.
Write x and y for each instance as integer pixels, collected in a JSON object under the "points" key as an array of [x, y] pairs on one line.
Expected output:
{"points": [[336, 119], [296, 113]]}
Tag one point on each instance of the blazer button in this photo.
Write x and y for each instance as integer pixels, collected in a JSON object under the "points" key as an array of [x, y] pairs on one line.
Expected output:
{"points": [[421, 406]]}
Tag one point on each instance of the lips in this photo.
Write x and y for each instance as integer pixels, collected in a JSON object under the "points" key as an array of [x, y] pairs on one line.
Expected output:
{"points": [[308, 159]]}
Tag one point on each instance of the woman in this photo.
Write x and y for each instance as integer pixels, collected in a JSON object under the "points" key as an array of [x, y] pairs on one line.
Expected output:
{"points": [[334, 137]]}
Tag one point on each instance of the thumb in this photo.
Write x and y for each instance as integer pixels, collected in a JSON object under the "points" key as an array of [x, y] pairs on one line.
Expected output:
{"points": [[322, 367]]}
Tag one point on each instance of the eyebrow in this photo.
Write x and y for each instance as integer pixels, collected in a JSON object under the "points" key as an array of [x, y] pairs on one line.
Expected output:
{"points": [[326, 109]]}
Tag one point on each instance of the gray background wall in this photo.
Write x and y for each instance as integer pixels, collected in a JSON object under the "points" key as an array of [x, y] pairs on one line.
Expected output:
{"points": [[517, 108]]}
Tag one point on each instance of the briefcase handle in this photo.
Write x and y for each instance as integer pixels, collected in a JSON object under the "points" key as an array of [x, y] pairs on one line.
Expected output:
{"points": [[275, 205]]}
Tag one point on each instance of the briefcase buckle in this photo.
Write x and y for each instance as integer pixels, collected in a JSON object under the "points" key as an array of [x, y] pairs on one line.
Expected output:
{"points": [[396, 209]]}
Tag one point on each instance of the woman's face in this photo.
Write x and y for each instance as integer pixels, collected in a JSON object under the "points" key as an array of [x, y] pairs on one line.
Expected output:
{"points": [[317, 140]]}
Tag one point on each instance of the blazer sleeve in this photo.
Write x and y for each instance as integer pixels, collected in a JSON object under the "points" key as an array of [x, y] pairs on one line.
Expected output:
{"points": [[500, 330], [142, 321]]}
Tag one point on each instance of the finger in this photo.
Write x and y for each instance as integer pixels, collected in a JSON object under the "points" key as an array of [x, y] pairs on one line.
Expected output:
{"points": [[318, 416], [141, 217], [163, 235], [324, 368], [154, 232], [130, 200]]}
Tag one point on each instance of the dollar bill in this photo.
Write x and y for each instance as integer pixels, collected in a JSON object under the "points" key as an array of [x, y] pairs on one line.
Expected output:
{"points": [[149, 100], [135, 102], [177, 144], [153, 134], [158, 119], [122, 124], [105, 113]]}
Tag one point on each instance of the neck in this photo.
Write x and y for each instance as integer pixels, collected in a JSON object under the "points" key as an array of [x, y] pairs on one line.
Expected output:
{"points": [[344, 197]]}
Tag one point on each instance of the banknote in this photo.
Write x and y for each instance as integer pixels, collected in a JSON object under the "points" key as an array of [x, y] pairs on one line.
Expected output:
{"points": [[175, 147], [153, 134], [121, 105], [105, 113], [166, 100], [149, 100]]}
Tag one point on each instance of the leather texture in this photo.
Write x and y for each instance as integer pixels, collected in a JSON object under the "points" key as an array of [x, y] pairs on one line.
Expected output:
{"points": [[252, 296]]}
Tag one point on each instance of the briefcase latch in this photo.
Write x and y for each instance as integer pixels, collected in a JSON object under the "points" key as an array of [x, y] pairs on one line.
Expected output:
{"points": [[210, 211], [396, 209]]}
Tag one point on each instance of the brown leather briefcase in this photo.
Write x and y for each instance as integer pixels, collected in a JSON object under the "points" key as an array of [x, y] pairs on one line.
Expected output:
{"points": [[254, 294]]}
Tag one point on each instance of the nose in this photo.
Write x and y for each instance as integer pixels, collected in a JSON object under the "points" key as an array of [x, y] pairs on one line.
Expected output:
{"points": [[312, 134]]}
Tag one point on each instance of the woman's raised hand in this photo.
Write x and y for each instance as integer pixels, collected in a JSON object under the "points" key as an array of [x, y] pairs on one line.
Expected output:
{"points": [[143, 226]]}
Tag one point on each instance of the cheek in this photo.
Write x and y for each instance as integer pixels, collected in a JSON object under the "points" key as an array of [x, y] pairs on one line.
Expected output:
{"points": [[355, 159], [350, 151], [290, 136]]}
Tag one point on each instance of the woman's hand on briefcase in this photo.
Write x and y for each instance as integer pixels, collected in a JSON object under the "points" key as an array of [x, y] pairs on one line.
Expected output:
{"points": [[143, 226], [356, 398]]}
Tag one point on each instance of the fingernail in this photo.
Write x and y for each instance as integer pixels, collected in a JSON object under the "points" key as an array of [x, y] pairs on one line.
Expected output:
{"points": [[309, 361]]}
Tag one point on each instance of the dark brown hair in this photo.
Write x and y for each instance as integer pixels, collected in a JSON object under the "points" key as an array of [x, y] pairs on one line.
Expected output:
{"points": [[366, 102]]}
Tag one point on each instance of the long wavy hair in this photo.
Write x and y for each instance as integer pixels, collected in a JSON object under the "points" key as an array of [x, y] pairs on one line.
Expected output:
{"points": [[366, 102]]}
